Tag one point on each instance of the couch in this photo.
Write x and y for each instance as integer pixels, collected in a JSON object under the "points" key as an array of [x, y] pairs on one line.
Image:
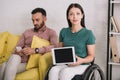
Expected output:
{"points": [[37, 65]]}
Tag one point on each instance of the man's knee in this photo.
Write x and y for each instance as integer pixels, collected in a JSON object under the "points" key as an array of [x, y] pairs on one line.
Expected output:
{"points": [[15, 57]]}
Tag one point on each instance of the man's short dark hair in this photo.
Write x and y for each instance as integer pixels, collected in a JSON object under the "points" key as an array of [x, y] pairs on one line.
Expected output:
{"points": [[41, 10]]}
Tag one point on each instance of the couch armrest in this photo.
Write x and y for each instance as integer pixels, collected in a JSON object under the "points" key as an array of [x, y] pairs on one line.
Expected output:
{"points": [[45, 61]]}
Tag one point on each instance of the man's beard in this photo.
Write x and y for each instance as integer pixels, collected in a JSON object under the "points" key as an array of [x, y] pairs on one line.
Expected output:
{"points": [[39, 27]]}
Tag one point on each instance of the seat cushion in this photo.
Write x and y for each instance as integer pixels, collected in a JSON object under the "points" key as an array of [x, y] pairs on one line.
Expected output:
{"points": [[32, 74], [36, 43]]}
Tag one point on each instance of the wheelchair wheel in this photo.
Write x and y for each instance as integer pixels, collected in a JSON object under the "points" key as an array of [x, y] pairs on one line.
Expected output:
{"points": [[94, 73]]}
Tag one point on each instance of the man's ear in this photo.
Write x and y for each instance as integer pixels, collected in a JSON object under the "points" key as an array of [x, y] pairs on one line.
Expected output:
{"points": [[45, 18]]}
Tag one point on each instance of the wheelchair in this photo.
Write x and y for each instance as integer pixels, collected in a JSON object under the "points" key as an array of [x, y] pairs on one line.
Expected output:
{"points": [[93, 72]]}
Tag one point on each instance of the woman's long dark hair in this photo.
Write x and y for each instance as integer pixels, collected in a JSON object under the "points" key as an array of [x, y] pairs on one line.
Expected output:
{"points": [[76, 6]]}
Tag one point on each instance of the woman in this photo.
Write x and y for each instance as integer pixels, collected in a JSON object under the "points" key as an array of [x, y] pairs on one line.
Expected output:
{"points": [[81, 38]]}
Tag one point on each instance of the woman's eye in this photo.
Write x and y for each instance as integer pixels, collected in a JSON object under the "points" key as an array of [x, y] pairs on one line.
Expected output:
{"points": [[78, 13], [71, 14]]}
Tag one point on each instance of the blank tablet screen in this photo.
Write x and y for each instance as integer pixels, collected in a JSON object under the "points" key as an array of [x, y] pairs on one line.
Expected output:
{"points": [[63, 55]]}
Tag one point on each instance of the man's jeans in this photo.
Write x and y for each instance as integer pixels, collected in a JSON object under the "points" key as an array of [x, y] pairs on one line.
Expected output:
{"points": [[9, 69]]}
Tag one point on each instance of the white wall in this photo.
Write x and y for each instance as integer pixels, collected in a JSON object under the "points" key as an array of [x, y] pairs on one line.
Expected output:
{"points": [[15, 17]]}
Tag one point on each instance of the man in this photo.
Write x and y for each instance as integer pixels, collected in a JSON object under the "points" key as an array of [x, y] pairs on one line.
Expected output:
{"points": [[17, 62]]}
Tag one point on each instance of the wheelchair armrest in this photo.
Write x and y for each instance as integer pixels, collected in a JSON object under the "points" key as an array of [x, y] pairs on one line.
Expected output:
{"points": [[93, 61]]}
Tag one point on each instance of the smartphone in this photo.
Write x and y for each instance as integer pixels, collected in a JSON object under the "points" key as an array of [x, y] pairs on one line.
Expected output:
{"points": [[18, 48]]}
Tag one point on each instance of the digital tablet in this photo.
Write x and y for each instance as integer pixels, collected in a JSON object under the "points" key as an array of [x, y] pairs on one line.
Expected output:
{"points": [[63, 55]]}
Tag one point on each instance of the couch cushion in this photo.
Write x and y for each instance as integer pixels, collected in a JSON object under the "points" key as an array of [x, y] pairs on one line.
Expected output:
{"points": [[11, 43], [32, 74], [36, 43], [3, 39], [45, 62], [9, 46]]}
